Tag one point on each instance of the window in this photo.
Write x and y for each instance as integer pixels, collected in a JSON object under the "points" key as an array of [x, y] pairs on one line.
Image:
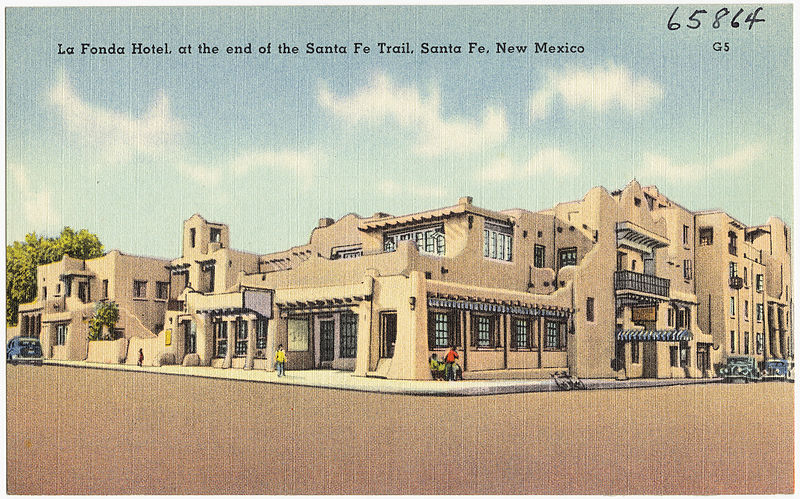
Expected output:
{"points": [[687, 269], [684, 352], [44, 293], [521, 334], [733, 270], [221, 338], [441, 330], [733, 341], [746, 342], [105, 288], [673, 356], [162, 290], [215, 235], [759, 343], [190, 333], [634, 352], [590, 309], [567, 256], [746, 310], [538, 256], [429, 239], [685, 234], [554, 337], [139, 289], [484, 330], [637, 201], [706, 236], [497, 240], [61, 334], [346, 252], [759, 312], [744, 275], [759, 283], [298, 335], [670, 316], [348, 333], [732, 243], [733, 306], [261, 333], [241, 337], [192, 233]]}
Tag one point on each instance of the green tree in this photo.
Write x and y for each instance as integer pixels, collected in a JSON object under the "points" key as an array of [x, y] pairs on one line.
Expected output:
{"points": [[105, 314], [22, 258]]}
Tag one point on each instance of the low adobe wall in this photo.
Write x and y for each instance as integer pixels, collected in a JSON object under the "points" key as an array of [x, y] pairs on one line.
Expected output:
{"points": [[108, 351]]}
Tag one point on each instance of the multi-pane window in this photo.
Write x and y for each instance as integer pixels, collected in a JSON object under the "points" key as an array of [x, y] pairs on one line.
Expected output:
{"points": [[348, 333], [733, 341], [221, 338], [440, 330], [484, 331], [732, 243], [673, 356], [521, 333], [162, 290], [347, 252], [670, 316], [298, 332], [428, 239], [733, 270], [746, 309], [687, 269], [733, 306], [261, 333], [139, 289], [744, 275], [61, 334], [759, 283], [241, 337], [567, 256], [553, 339], [538, 256], [215, 235], [685, 234], [759, 312], [497, 241], [746, 342], [706, 236], [759, 343], [634, 352]]}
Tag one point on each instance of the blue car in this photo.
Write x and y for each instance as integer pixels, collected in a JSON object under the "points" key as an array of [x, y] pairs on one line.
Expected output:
{"points": [[22, 350], [777, 369]]}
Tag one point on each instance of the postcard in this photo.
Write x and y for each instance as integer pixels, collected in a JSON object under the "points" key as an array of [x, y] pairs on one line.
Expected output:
{"points": [[484, 249]]}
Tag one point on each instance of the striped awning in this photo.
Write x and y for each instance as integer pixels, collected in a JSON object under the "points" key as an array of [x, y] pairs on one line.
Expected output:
{"points": [[654, 335]]}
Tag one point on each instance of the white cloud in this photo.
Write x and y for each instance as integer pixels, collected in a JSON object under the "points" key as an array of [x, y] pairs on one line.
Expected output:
{"points": [[381, 100], [597, 89], [37, 205], [656, 164], [550, 159], [116, 136], [390, 188], [300, 163]]}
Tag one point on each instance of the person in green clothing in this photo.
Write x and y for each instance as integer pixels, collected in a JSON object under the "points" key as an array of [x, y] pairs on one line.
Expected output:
{"points": [[437, 367], [280, 361]]}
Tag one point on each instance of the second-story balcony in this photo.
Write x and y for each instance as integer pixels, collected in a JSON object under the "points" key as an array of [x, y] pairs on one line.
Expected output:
{"points": [[736, 282], [625, 280]]}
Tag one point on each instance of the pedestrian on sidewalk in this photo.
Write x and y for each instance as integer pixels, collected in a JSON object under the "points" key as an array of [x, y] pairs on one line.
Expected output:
{"points": [[141, 358], [280, 361], [450, 362]]}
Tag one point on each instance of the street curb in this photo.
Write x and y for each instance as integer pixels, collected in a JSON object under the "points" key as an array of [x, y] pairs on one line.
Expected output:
{"points": [[399, 387]]}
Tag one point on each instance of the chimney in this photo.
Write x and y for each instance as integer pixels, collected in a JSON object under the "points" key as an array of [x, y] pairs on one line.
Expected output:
{"points": [[465, 200], [325, 222]]}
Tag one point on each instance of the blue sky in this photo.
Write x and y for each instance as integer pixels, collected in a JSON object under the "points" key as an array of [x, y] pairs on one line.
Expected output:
{"points": [[128, 146]]}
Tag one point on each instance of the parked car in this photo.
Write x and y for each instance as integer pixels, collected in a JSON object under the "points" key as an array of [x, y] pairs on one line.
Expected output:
{"points": [[780, 369], [740, 369], [22, 350]]}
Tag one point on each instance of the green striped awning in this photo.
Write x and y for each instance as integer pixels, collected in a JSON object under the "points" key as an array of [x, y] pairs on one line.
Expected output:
{"points": [[654, 335]]}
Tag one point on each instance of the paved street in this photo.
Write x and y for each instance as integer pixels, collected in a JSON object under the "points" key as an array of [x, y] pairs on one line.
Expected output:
{"points": [[84, 431]]}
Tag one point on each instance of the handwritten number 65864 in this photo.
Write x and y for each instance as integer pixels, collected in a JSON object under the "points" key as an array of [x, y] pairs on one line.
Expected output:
{"points": [[694, 20]]}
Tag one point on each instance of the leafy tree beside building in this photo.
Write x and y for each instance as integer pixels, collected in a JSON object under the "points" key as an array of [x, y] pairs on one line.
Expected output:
{"points": [[22, 258]]}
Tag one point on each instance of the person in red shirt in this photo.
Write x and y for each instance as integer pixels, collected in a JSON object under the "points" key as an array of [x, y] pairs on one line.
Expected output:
{"points": [[450, 362]]}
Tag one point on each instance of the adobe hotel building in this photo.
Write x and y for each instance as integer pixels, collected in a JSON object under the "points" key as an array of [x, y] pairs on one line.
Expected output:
{"points": [[621, 284]]}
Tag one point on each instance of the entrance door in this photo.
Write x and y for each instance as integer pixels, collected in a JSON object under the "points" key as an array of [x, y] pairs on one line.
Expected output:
{"points": [[388, 334], [326, 340], [703, 360]]}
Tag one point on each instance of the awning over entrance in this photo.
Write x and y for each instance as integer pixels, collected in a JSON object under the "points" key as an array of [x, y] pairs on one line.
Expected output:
{"points": [[654, 335], [477, 306], [258, 301]]}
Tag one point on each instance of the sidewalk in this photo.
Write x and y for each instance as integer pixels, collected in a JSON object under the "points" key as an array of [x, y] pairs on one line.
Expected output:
{"points": [[342, 380]]}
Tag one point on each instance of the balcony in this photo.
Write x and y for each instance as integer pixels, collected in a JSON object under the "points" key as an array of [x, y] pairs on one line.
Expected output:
{"points": [[736, 282], [643, 283]]}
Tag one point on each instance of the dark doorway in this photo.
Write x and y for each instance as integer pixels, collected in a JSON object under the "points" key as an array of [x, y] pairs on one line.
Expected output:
{"points": [[326, 340], [388, 334]]}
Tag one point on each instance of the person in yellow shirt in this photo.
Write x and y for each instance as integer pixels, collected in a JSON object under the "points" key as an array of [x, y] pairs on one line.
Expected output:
{"points": [[280, 361], [437, 367]]}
